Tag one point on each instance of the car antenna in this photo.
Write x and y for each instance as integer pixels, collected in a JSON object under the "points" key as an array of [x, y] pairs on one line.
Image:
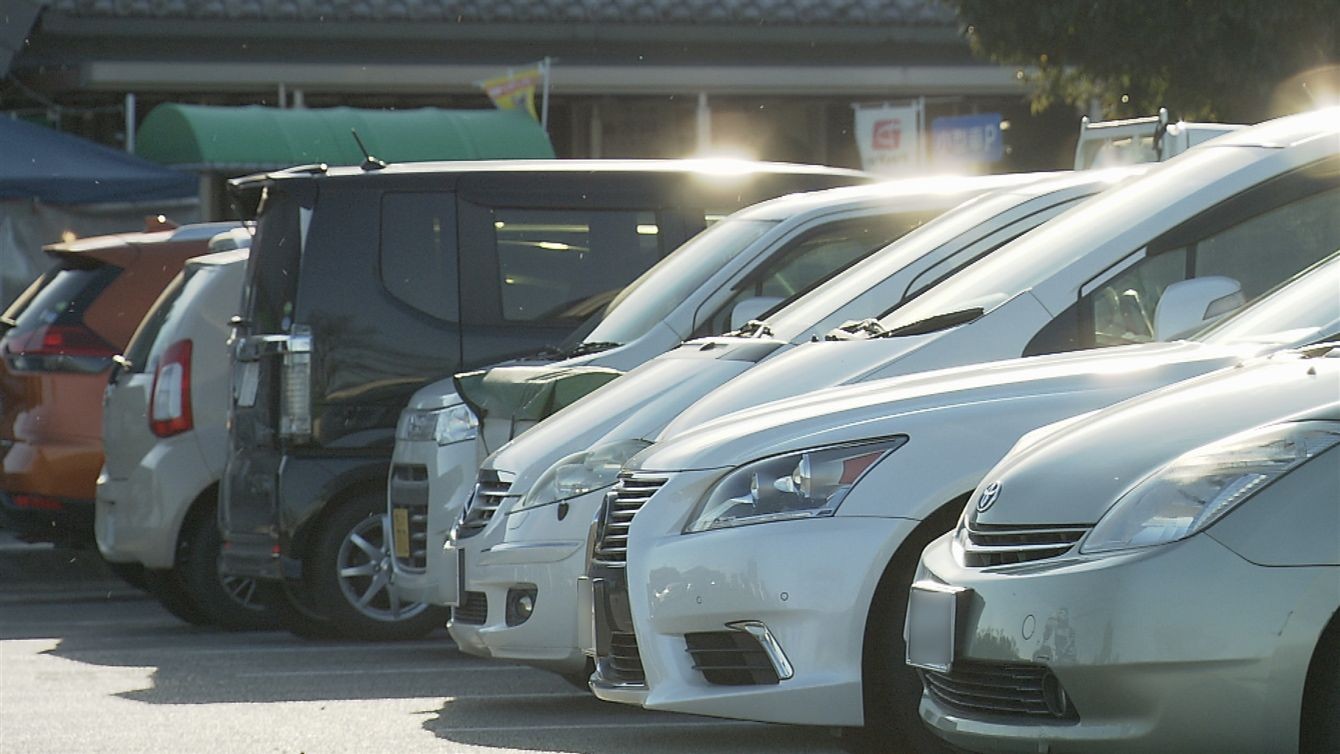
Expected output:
{"points": [[369, 162]]}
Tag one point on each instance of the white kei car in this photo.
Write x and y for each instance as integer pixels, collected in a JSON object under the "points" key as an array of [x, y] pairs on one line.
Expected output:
{"points": [[757, 565], [1255, 205], [165, 442], [509, 569], [1160, 576], [745, 264]]}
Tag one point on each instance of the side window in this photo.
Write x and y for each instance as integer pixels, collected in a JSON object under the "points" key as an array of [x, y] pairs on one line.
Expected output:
{"points": [[1259, 238], [418, 252], [557, 266], [810, 260]]}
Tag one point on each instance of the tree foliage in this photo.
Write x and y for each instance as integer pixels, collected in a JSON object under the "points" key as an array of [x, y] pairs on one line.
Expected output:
{"points": [[1227, 59]]}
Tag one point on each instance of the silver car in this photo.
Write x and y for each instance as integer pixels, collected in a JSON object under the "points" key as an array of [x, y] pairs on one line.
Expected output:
{"points": [[1163, 575]]}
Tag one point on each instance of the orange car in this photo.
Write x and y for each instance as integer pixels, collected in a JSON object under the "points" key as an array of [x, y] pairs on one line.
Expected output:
{"points": [[59, 339]]}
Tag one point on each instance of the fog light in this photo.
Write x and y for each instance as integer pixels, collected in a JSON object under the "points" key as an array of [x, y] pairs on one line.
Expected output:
{"points": [[1058, 703], [520, 604]]}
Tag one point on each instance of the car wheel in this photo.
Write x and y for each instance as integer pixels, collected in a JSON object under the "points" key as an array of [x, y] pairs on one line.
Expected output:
{"points": [[1320, 730], [350, 576], [891, 689], [233, 603], [131, 573], [168, 590]]}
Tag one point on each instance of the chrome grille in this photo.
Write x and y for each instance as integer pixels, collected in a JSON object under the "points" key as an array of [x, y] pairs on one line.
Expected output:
{"points": [[995, 544], [490, 493], [621, 504], [1013, 689], [409, 502]]}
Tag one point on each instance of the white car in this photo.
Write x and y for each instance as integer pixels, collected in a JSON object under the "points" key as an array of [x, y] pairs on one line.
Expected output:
{"points": [[165, 442], [745, 264], [518, 559], [1183, 591], [1090, 277], [757, 565]]}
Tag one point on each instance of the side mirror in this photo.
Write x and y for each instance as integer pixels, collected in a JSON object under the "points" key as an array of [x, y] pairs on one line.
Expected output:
{"points": [[1188, 304], [751, 308]]}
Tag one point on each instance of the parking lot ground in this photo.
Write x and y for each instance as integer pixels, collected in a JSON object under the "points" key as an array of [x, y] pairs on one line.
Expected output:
{"points": [[91, 666]]}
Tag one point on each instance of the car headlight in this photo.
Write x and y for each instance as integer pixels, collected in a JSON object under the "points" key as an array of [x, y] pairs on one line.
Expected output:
{"points": [[445, 425], [580, 473], [1200, 487], [808, 484]]}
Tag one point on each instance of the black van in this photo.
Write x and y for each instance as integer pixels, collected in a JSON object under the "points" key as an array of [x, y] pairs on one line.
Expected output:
{"points": [[366, 283]]}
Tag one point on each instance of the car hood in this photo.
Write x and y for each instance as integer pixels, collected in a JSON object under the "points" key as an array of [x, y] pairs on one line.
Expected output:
{"points": [[1087, 380], [636, 405], [1074, 475]]}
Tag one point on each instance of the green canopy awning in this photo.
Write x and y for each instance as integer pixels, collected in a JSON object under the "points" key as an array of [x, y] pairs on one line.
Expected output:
{"points": [[265, 138]]}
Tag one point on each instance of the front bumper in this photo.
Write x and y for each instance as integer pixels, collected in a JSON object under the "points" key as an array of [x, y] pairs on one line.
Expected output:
{"points": [[808, 583], [1185, 647], [540, 552], [138, 516], [430, 485]]}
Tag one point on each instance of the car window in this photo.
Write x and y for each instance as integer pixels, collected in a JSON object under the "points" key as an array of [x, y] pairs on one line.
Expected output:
{"points": [[62, 295], [418, 252], [563, 265], [141, 349], [813, 258], [1259, 252]]}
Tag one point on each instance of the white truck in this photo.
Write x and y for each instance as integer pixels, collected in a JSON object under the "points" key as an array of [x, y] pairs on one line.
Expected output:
{"points": [[1134, 140]]}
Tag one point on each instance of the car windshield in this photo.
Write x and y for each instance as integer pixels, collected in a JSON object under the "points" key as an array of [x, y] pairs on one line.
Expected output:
{"points": [[669, 282], [1055, 245], [1307, 305]]}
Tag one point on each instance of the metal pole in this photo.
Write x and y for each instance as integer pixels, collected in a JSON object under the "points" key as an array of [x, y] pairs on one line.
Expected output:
{"points": [[130, 122], [704, 124], [544, 97], [283, 96]]}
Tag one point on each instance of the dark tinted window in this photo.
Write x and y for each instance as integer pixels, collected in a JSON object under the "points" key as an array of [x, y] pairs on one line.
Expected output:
{"points": [[273, 265], [418, 252], [564, 265], [141, 348], [62, 295]]}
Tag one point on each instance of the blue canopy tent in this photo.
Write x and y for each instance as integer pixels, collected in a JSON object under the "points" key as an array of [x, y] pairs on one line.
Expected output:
{"points": [[54, 186], [56, 168]]}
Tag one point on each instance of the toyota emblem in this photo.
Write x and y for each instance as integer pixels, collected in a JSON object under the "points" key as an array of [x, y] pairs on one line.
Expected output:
{"points": [[988, 497]]}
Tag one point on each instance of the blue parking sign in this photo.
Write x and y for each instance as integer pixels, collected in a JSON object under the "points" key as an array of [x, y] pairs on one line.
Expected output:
{"points": [[967, 138]]}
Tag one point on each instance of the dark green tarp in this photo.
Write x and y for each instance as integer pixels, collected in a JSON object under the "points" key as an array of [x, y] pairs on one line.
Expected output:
{"points": [[265, 138]]}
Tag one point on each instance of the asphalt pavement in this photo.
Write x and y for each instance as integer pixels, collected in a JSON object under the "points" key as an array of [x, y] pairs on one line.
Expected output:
{"points": [[88, 664]]}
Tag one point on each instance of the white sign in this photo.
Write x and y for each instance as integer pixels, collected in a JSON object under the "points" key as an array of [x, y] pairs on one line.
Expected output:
{"points": [[889, 137]]}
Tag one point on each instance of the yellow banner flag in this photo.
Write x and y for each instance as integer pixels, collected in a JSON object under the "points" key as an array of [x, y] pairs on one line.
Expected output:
{"points": [[515, 91]]}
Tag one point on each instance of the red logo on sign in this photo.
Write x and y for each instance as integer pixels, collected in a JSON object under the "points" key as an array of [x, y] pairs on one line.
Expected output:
{"points": [[888, 133]]}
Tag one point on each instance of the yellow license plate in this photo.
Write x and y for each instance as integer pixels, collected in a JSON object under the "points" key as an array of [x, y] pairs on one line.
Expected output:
{"points": [[400, 531]]}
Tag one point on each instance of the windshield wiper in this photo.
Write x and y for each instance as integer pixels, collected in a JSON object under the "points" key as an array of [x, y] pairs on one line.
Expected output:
{"points": [[595, 346], [935, 323], [857, 328], [754, 327], [7, 322]]}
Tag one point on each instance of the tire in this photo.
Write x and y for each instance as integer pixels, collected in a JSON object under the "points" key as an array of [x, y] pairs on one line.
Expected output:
{"points": [[1320, 731], [299, 618], [168, 590], [131, 573], [230, 602], [348, 573], [891, 689]]}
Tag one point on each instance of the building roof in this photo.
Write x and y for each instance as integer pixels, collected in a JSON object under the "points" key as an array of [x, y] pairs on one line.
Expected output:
{"points": [[901, 13]]}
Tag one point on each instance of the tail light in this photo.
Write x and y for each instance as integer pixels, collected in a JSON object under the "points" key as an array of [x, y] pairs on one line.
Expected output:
{"points": [[295, 400], [59, 348], [170, 401]]}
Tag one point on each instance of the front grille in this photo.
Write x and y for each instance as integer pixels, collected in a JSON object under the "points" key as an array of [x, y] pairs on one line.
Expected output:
{"points": [[473, 610], [627, 498], [730, 658], [490, 493], [1013, 689], [624, 664], [996, 544], [409, 504]]}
